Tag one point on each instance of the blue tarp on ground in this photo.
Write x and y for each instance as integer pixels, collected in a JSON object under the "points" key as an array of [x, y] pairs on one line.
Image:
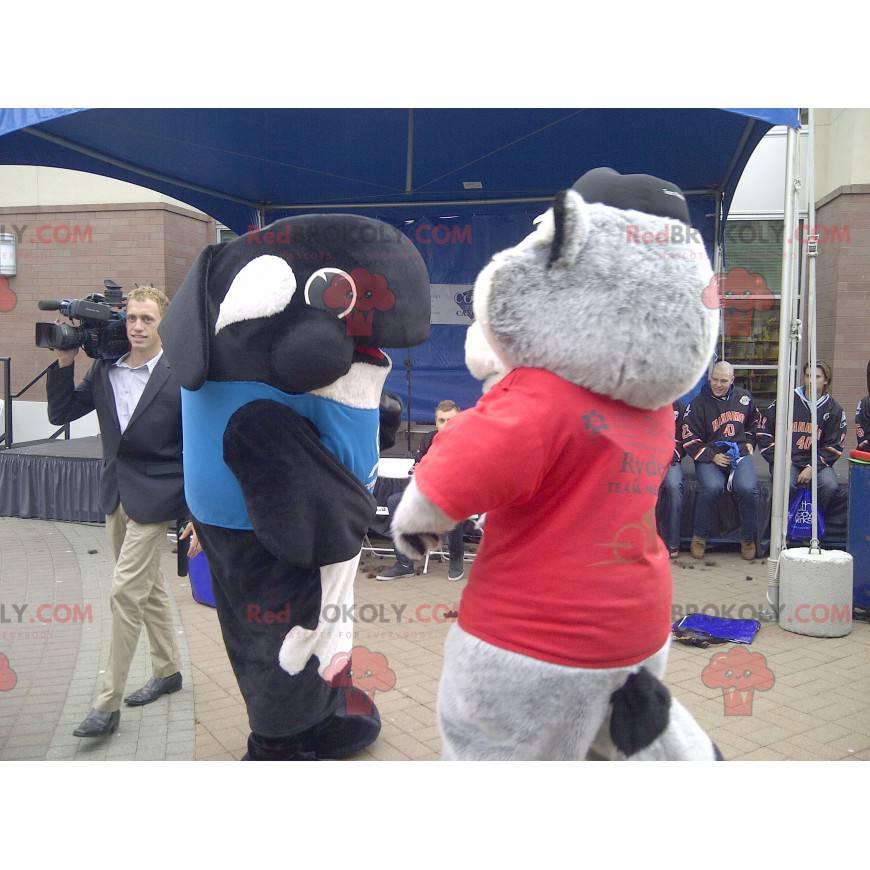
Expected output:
{"points": [[406, 167]]}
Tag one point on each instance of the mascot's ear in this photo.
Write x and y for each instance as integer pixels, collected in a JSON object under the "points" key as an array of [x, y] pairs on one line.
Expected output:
{"points": [[185, 328], [570, 228]]}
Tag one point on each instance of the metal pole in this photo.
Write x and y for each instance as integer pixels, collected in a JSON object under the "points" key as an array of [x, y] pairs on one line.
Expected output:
{"points": [[409, 156], [717, 266], [7, 399], [787, 340], [812, 253], [408, 366]]}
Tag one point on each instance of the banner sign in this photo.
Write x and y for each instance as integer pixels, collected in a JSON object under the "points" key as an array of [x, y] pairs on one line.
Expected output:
{"points": [[451, 304]]}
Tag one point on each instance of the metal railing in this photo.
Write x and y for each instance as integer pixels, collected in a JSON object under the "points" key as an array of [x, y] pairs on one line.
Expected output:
{"points": [[6, 440]]}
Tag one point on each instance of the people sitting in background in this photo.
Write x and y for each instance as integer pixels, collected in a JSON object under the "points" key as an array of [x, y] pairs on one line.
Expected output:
{"points": [[673, 485], [862, 417], [719, 433], [830, 435], [404, 567]]}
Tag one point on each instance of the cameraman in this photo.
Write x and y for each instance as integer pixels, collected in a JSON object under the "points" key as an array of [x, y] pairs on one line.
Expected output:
{"points": [[138, 402]]}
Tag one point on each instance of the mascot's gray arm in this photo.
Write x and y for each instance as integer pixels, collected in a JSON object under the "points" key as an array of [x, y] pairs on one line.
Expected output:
{"points": [[418, 523]]}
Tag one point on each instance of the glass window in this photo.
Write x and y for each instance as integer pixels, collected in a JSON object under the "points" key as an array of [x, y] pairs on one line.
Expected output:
{"points": [[224, 234], [751, 286]]}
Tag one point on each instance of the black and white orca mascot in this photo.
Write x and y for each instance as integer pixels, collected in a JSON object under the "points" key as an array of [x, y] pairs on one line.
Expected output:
{"points": [[275, 338]]}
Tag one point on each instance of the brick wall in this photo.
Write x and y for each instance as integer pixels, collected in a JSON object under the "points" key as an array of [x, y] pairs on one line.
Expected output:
{"points": [[67, 252], [843, 292]]}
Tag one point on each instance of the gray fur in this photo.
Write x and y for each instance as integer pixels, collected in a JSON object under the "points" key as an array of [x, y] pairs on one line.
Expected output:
{"points": [[494, 704], [624, 319]]}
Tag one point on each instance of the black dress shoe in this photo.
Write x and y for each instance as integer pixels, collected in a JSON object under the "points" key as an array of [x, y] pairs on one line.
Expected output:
{"points": [[98, 724], [153, 689]]}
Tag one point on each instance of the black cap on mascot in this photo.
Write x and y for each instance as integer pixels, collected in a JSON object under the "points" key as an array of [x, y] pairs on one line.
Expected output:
{"points": [[639, 192]]}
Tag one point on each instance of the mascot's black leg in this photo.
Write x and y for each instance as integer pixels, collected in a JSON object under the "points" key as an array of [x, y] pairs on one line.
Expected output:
{"points": [[348, 731], [294, 717]]}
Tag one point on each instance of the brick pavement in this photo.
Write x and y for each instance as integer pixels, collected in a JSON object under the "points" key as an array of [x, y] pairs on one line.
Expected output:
{"points": [[818, 707], [63, 572]]}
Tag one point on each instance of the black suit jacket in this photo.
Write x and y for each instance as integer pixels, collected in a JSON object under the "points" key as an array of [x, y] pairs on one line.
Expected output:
{"points": [[141, 467]]}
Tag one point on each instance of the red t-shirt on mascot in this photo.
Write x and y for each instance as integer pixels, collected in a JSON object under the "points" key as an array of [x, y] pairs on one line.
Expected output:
{"points": [[570, 569]]}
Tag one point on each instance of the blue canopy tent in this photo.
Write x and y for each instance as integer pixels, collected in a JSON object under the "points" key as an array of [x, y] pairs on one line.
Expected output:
{"points": [[461, 183]]}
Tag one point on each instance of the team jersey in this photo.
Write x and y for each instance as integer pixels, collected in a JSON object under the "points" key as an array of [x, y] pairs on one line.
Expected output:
{"points": [[709, 419], [570, 568], [862, 422], [679, 451], [831, 431]]}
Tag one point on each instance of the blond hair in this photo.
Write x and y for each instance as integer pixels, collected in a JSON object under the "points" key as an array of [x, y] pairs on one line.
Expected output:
{"points": [[447, 405], [143, 294]]}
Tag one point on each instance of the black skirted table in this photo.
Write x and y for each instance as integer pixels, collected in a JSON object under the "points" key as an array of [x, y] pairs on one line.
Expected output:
{"points": [[53, 480]]}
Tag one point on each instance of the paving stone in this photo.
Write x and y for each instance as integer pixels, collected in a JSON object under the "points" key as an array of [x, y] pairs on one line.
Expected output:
{"points": [[819, 705]]}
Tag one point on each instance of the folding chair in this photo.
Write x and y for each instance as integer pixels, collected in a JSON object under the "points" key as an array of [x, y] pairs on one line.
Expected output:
{"points": [[444, 552]]}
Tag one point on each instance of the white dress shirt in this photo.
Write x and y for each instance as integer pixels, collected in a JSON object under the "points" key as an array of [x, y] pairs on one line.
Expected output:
{"points": [[128, 384]]}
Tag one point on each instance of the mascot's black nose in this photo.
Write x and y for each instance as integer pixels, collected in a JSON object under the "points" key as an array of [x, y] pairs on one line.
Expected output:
{"points": [[312, 351]]}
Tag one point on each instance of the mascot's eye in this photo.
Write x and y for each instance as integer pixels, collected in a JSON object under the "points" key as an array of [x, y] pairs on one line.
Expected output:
{"points": [[331, 289], [729, 674]]}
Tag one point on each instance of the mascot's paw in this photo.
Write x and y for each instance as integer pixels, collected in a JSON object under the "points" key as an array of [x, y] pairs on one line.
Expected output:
{"points": [[415, 546], [418, 524], [481, 359], [301, 644]]}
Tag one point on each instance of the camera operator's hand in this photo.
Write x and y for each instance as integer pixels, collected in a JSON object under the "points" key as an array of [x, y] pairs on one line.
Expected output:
{"points": [[65, 357]]}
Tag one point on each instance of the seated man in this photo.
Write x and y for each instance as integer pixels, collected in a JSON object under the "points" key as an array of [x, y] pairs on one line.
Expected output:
{"points": [[673, 485], [831, 436], [404, 567], [719, 433]]}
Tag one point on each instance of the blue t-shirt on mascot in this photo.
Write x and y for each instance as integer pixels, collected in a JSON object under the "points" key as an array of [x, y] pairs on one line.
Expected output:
{"points": [[212, 491]]}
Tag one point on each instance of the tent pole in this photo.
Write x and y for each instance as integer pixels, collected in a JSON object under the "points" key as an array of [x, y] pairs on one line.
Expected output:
{"points": [[812, 253], [717, 265], [409, 156], [788, 331], [408, 368]]}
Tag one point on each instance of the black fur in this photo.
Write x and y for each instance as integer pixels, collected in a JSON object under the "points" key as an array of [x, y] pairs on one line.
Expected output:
{"points": [[391, 418], [307, 508], [641, 712], [559, 213]]}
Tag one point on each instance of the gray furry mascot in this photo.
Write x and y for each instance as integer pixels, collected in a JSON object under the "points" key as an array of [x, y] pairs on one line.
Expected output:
{"points": [[275, 338], [585, 333]]}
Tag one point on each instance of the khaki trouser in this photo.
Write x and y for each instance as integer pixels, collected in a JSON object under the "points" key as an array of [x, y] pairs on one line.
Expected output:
{"points": [[138, 595]]}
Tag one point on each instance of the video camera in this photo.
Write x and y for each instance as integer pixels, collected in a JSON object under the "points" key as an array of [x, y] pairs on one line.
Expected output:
{"points": [[103, 330]]}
